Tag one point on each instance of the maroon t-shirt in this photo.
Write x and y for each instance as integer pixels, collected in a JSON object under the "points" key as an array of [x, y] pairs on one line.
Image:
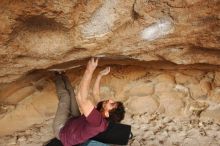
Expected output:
{"points": [[80, 129]]}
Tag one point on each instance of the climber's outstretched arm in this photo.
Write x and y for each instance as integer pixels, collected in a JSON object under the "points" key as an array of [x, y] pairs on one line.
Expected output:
{"points": [[96, 87], [82, 95]]}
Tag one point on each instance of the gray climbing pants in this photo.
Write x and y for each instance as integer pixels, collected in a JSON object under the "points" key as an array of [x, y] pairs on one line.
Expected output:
{"points": [[67, 106]]}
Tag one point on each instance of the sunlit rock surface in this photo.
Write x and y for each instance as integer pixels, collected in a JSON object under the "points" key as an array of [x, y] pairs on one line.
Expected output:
{"points": [[36, 35], [164, 58]]}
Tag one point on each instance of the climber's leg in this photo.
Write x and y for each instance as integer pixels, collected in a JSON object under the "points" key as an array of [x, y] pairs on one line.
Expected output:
{"points": [[63, 109], [74, 106]]}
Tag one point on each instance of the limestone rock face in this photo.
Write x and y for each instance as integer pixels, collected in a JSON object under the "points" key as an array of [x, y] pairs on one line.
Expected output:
{"points": [[37, 35], [164, 57]]}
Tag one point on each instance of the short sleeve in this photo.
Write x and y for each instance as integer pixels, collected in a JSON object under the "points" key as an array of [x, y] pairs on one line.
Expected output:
{"points": [[95, 118]]}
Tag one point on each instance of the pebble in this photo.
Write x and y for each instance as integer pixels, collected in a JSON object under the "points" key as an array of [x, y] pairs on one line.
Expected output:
{"points": [[135, 143], [21, 139], [148, 134]]}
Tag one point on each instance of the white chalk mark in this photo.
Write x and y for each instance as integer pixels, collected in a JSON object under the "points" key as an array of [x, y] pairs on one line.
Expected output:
{"points": [[102, 21], [100, 56], [64, 69], [157, 30]]}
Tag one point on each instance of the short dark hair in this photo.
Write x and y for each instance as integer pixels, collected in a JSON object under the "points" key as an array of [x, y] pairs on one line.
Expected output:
{"points": [[117, 114]]}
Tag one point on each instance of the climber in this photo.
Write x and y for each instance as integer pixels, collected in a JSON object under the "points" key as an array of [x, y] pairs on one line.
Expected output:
{"points": [[94, 120]]}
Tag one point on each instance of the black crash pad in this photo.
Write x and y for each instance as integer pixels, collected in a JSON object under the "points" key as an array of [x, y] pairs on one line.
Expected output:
{"points": [[116, 133]]}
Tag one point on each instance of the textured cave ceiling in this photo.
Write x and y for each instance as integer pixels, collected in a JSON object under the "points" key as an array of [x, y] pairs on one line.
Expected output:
{"points": [[41, 34]]}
